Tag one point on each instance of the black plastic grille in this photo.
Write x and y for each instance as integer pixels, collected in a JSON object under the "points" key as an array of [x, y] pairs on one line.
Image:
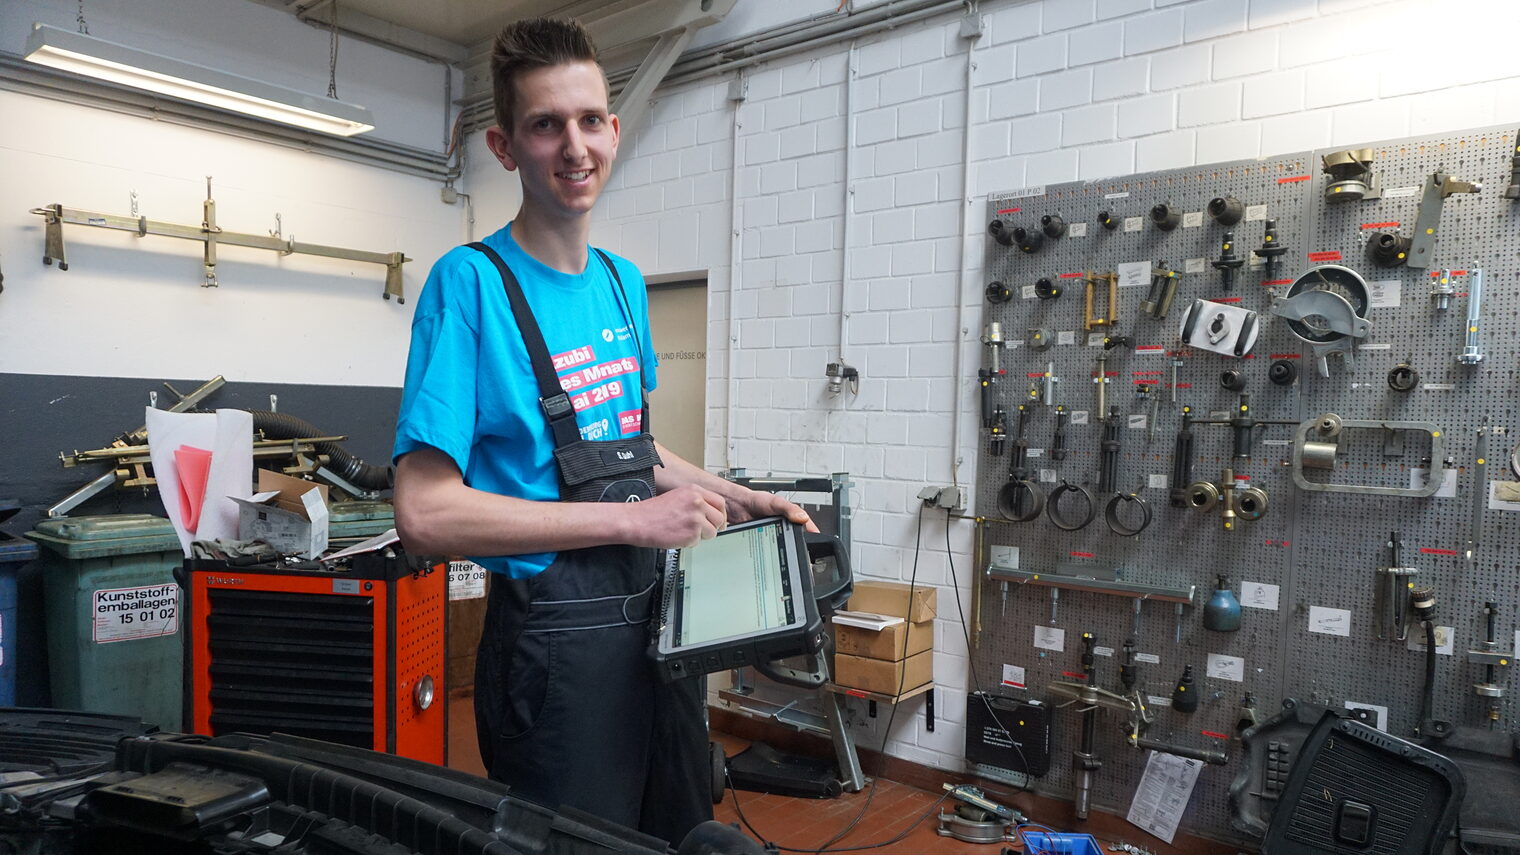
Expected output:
{"points": [[293, 662]]}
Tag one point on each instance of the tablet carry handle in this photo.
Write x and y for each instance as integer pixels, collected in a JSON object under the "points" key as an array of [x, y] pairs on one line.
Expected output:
{"points": [[790, 676], [833, 591]]}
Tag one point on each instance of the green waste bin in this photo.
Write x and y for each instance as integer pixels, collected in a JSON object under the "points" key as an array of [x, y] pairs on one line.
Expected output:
{"points": [[113, 615]]}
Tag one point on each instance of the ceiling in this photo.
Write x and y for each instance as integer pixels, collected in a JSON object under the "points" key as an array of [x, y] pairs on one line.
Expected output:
{"points": [[464, 22]]}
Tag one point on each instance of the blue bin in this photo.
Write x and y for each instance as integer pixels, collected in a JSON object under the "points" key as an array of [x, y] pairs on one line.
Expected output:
{"points": [[1039, 841], [14, 552]]}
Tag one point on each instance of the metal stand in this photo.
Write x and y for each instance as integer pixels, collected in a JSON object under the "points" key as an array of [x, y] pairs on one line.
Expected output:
{"points": [[836, 515]]}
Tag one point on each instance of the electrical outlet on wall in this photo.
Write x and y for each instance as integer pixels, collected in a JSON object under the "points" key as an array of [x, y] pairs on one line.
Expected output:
{"points": [[949, 498]]}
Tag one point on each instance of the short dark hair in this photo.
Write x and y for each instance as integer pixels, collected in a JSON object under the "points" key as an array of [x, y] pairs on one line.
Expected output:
{"points": [[534, 43]]}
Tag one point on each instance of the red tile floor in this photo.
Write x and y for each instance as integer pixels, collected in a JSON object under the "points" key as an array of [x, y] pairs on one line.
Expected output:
{"points": [[791, 822]]}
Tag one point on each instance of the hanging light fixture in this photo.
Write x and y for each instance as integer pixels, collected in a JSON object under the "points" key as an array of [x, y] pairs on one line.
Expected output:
{"points": [[127, 66]]}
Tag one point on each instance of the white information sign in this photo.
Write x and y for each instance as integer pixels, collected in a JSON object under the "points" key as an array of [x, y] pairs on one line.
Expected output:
{"points": [[1050, 638], [1221, 667], [467, 580], [1163, 794], [1258, 595], [1133, 274], [1329, 621], [128, 614]]}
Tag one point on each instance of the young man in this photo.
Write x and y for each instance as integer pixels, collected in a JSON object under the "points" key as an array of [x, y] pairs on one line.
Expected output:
{"points": [[523, 440]]}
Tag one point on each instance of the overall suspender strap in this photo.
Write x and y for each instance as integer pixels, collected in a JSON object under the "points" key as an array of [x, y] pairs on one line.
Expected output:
{"points": [[552, 398], [638, 346]]}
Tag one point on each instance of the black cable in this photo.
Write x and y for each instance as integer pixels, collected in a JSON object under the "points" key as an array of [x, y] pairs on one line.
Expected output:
{"points": [[886, 732], [1427, 696], [930, 811], [902, 677], [976, 681]]}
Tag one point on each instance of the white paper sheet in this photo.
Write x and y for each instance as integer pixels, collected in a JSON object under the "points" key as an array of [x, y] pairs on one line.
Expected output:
{"points": [[1163, 794], [1050, 638], [228, 434]]}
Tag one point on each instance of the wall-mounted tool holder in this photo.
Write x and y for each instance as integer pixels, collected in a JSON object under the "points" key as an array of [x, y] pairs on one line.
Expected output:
{"points": [[1220, 328], [1105, 287], [210, 234], [1326, 307], [1351, 177], [1319, 440], [1307, 628]]}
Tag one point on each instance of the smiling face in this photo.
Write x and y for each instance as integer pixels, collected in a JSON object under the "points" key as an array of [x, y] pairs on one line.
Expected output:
{"points": [[563, 139]]}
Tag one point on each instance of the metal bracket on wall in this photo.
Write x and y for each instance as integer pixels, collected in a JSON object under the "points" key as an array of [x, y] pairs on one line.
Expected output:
{"points": [[1181, 594], [55, 216]]}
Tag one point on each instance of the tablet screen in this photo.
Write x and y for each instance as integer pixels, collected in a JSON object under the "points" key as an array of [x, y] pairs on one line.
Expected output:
{"points": [[732, 586]]}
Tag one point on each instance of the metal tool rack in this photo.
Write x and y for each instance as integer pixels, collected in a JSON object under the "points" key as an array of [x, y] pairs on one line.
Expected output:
{"points": [[1320, 549], [832, 518]]}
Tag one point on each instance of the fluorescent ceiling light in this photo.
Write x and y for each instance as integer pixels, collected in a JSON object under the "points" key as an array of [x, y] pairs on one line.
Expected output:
{"points": [[139, 69]]}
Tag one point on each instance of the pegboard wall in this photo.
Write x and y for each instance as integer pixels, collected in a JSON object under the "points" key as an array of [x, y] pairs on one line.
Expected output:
{"points": [[1306, 570]]}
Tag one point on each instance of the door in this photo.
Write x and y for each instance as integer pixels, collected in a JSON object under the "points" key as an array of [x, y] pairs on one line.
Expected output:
{"points": [[678, 325]]}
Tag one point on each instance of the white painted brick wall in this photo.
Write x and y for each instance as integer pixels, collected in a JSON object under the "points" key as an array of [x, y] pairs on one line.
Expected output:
{"points": [[1061, 90], [1208, 105]]}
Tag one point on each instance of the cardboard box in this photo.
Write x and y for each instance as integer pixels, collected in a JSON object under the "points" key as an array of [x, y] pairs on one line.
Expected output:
{"points": [[891, 598], [882, 676], [288, 513], [885, 642]]}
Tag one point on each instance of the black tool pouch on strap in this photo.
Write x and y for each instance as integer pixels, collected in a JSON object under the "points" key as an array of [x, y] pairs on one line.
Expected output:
{"points": [[608, 471], [619, 470]]}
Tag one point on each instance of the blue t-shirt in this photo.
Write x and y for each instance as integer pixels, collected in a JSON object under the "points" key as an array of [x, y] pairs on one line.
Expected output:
{"points": [[470, 390]]}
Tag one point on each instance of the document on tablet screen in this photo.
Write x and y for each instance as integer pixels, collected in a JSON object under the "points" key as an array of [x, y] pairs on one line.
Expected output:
{"points": [[732, 585]]}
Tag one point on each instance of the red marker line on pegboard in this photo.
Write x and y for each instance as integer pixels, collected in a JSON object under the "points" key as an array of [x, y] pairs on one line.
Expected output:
{"points": [[1226, 299], [1270, 282], [1428, 551], [1069, 275], [1074, 675], [1378, 226], [1010, 210], [1331, 255], [1212, 735], [1291, 179], [1284, 356], [1083, 555], [1435, 273]]}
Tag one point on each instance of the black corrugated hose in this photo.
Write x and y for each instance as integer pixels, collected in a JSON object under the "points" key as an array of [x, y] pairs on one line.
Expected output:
{"points": [[352, 469]]}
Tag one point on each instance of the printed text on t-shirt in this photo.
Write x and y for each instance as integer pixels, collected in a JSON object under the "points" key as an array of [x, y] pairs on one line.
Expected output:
{"points": [[597, 395], [596, 373], [571, 358], [630, 421]]}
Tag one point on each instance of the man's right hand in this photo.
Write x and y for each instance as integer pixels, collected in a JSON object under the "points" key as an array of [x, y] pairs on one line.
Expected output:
{"points": [[677, 519]]}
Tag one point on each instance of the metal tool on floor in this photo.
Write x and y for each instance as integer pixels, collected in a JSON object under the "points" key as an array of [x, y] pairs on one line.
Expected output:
{"points": [[976, 818]]}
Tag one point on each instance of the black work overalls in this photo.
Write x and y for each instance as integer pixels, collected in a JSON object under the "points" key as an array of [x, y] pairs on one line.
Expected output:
{"points": [[568, 706]]}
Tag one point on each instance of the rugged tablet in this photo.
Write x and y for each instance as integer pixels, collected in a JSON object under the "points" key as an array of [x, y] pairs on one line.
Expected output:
{"points": [[743, 598]]}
